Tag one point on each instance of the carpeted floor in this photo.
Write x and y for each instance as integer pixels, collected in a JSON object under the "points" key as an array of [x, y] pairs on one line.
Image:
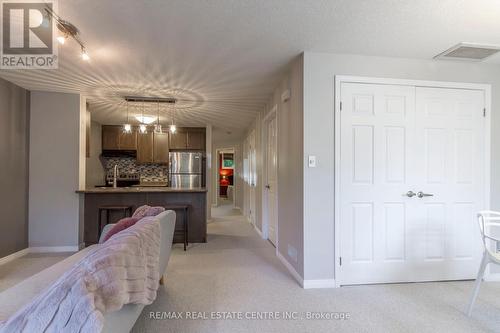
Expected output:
{"points": [[236, 271], [22, 268]]}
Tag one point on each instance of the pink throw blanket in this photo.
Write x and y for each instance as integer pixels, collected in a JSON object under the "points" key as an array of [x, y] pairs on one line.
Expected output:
{"points": [[123, 270]]}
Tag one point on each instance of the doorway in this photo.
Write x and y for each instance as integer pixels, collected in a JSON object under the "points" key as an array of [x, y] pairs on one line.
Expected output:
{"points": [[413, 167], [226, 166]]}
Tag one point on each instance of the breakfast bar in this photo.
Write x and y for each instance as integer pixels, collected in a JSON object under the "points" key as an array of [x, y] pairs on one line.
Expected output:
{"points": [[194, 199]]}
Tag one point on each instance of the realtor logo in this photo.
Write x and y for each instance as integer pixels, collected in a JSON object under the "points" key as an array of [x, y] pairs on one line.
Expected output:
{"points": [[28, 35]]}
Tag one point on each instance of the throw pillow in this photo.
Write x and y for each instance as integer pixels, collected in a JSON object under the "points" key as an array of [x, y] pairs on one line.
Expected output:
{"points": [[140, 212], [120, 225]]}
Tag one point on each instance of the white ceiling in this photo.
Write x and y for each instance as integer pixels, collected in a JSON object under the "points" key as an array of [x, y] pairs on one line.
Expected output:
{"points": [[226, 56]]}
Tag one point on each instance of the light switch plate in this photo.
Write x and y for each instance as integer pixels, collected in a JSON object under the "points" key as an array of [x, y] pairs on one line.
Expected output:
{"points": [[312, 161]]}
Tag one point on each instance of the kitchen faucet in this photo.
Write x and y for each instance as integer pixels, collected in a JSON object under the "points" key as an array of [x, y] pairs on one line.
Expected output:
{"points": [[115, 176]]}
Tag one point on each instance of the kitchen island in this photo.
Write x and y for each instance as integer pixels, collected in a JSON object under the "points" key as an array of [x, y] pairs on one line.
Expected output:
{"points": [[194, 198]]}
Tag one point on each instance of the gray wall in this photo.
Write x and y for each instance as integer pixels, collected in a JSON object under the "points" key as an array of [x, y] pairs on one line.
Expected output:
{"points": [[319, 72], [290, 170], [94, 170], [14, 143], [55, 169], [290, 177]]}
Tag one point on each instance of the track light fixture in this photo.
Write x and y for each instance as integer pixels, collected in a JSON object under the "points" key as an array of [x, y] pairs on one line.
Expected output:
{"points": [[67, 30]]}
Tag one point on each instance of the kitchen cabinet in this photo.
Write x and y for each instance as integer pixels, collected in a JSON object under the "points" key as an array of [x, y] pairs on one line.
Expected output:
{"points": [[178, 140], [128, 141], [160, 148], [188, 138], [113, 138], [196, 140], [145, 148], [110, 137], [152, 148]]}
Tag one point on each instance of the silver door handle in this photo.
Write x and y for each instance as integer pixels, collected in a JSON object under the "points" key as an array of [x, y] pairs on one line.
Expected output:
{"points": [[410, 194], [422, 194]]}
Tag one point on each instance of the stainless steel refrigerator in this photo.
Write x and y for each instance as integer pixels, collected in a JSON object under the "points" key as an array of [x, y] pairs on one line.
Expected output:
{"points": [[186, 170]]}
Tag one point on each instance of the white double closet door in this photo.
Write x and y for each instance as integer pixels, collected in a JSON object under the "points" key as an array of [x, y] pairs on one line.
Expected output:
{"points": [[397, 141]]}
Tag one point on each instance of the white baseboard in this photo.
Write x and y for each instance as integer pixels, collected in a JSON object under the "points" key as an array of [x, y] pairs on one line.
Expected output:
{"points": [[14, 255], [50, 249], [306, 284], [291, 269], [258, 231], [492, 277], [323, 283]]}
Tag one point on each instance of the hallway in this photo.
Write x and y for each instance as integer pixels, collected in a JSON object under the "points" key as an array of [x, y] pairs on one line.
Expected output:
{"points": [[237, 271]]}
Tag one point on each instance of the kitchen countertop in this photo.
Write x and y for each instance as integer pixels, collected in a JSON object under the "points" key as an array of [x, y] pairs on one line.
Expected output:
{"points": [[140, 189]]}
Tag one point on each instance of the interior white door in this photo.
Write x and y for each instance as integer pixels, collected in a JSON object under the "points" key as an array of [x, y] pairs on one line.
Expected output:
{"points": [[396, 139], [451, 150], [252, 154], [272, 179]]}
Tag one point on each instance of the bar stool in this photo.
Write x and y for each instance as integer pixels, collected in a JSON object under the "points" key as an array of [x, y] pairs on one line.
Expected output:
{"points": [[127, 211], [184, 209]]}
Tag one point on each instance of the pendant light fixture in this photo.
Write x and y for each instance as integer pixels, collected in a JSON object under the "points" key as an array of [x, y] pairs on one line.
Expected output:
{"points": [[158, 125], [142, 127], [127, 128], [173, 128]]}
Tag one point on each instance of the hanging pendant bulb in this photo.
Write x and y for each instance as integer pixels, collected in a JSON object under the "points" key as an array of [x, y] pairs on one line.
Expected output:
{"points": [[127, 128], [173, 128], [158, 128], [142, 127]]}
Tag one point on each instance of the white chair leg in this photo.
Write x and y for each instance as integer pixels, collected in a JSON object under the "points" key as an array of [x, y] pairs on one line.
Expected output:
{"points": [[477, 284]]}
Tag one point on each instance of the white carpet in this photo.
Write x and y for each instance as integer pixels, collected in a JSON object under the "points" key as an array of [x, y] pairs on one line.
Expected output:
{"points": [[238, 271], [22, 268]]}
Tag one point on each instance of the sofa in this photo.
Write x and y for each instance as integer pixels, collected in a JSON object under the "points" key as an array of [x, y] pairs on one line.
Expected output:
{"points": [[16, 297]]}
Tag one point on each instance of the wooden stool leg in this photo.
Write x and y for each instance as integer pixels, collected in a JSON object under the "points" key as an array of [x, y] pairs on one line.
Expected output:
{"points": [[99, 225], [185, 230]]}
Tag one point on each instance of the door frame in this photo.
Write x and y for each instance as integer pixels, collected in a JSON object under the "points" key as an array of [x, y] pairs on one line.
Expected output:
{"points": [[216, 181], [265, 194], [339, 79]]}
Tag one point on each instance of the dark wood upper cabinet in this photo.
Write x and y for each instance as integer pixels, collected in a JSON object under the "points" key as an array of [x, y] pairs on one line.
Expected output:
{"points": [[111, 137], [145, 148], [160, 148], [196, 140], [178, 140], [128, 141], [188, 138]]}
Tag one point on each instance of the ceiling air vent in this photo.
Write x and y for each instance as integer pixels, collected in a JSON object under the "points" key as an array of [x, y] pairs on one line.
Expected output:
{"points": [[469, 52]]}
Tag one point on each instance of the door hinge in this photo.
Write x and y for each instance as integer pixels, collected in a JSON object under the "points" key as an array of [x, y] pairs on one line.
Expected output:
{"points": [[340, 261], [340, 106], [484, 112]]}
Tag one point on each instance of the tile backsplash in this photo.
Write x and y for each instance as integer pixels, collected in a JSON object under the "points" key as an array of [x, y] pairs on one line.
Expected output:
{"points": [[129, 165]]}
